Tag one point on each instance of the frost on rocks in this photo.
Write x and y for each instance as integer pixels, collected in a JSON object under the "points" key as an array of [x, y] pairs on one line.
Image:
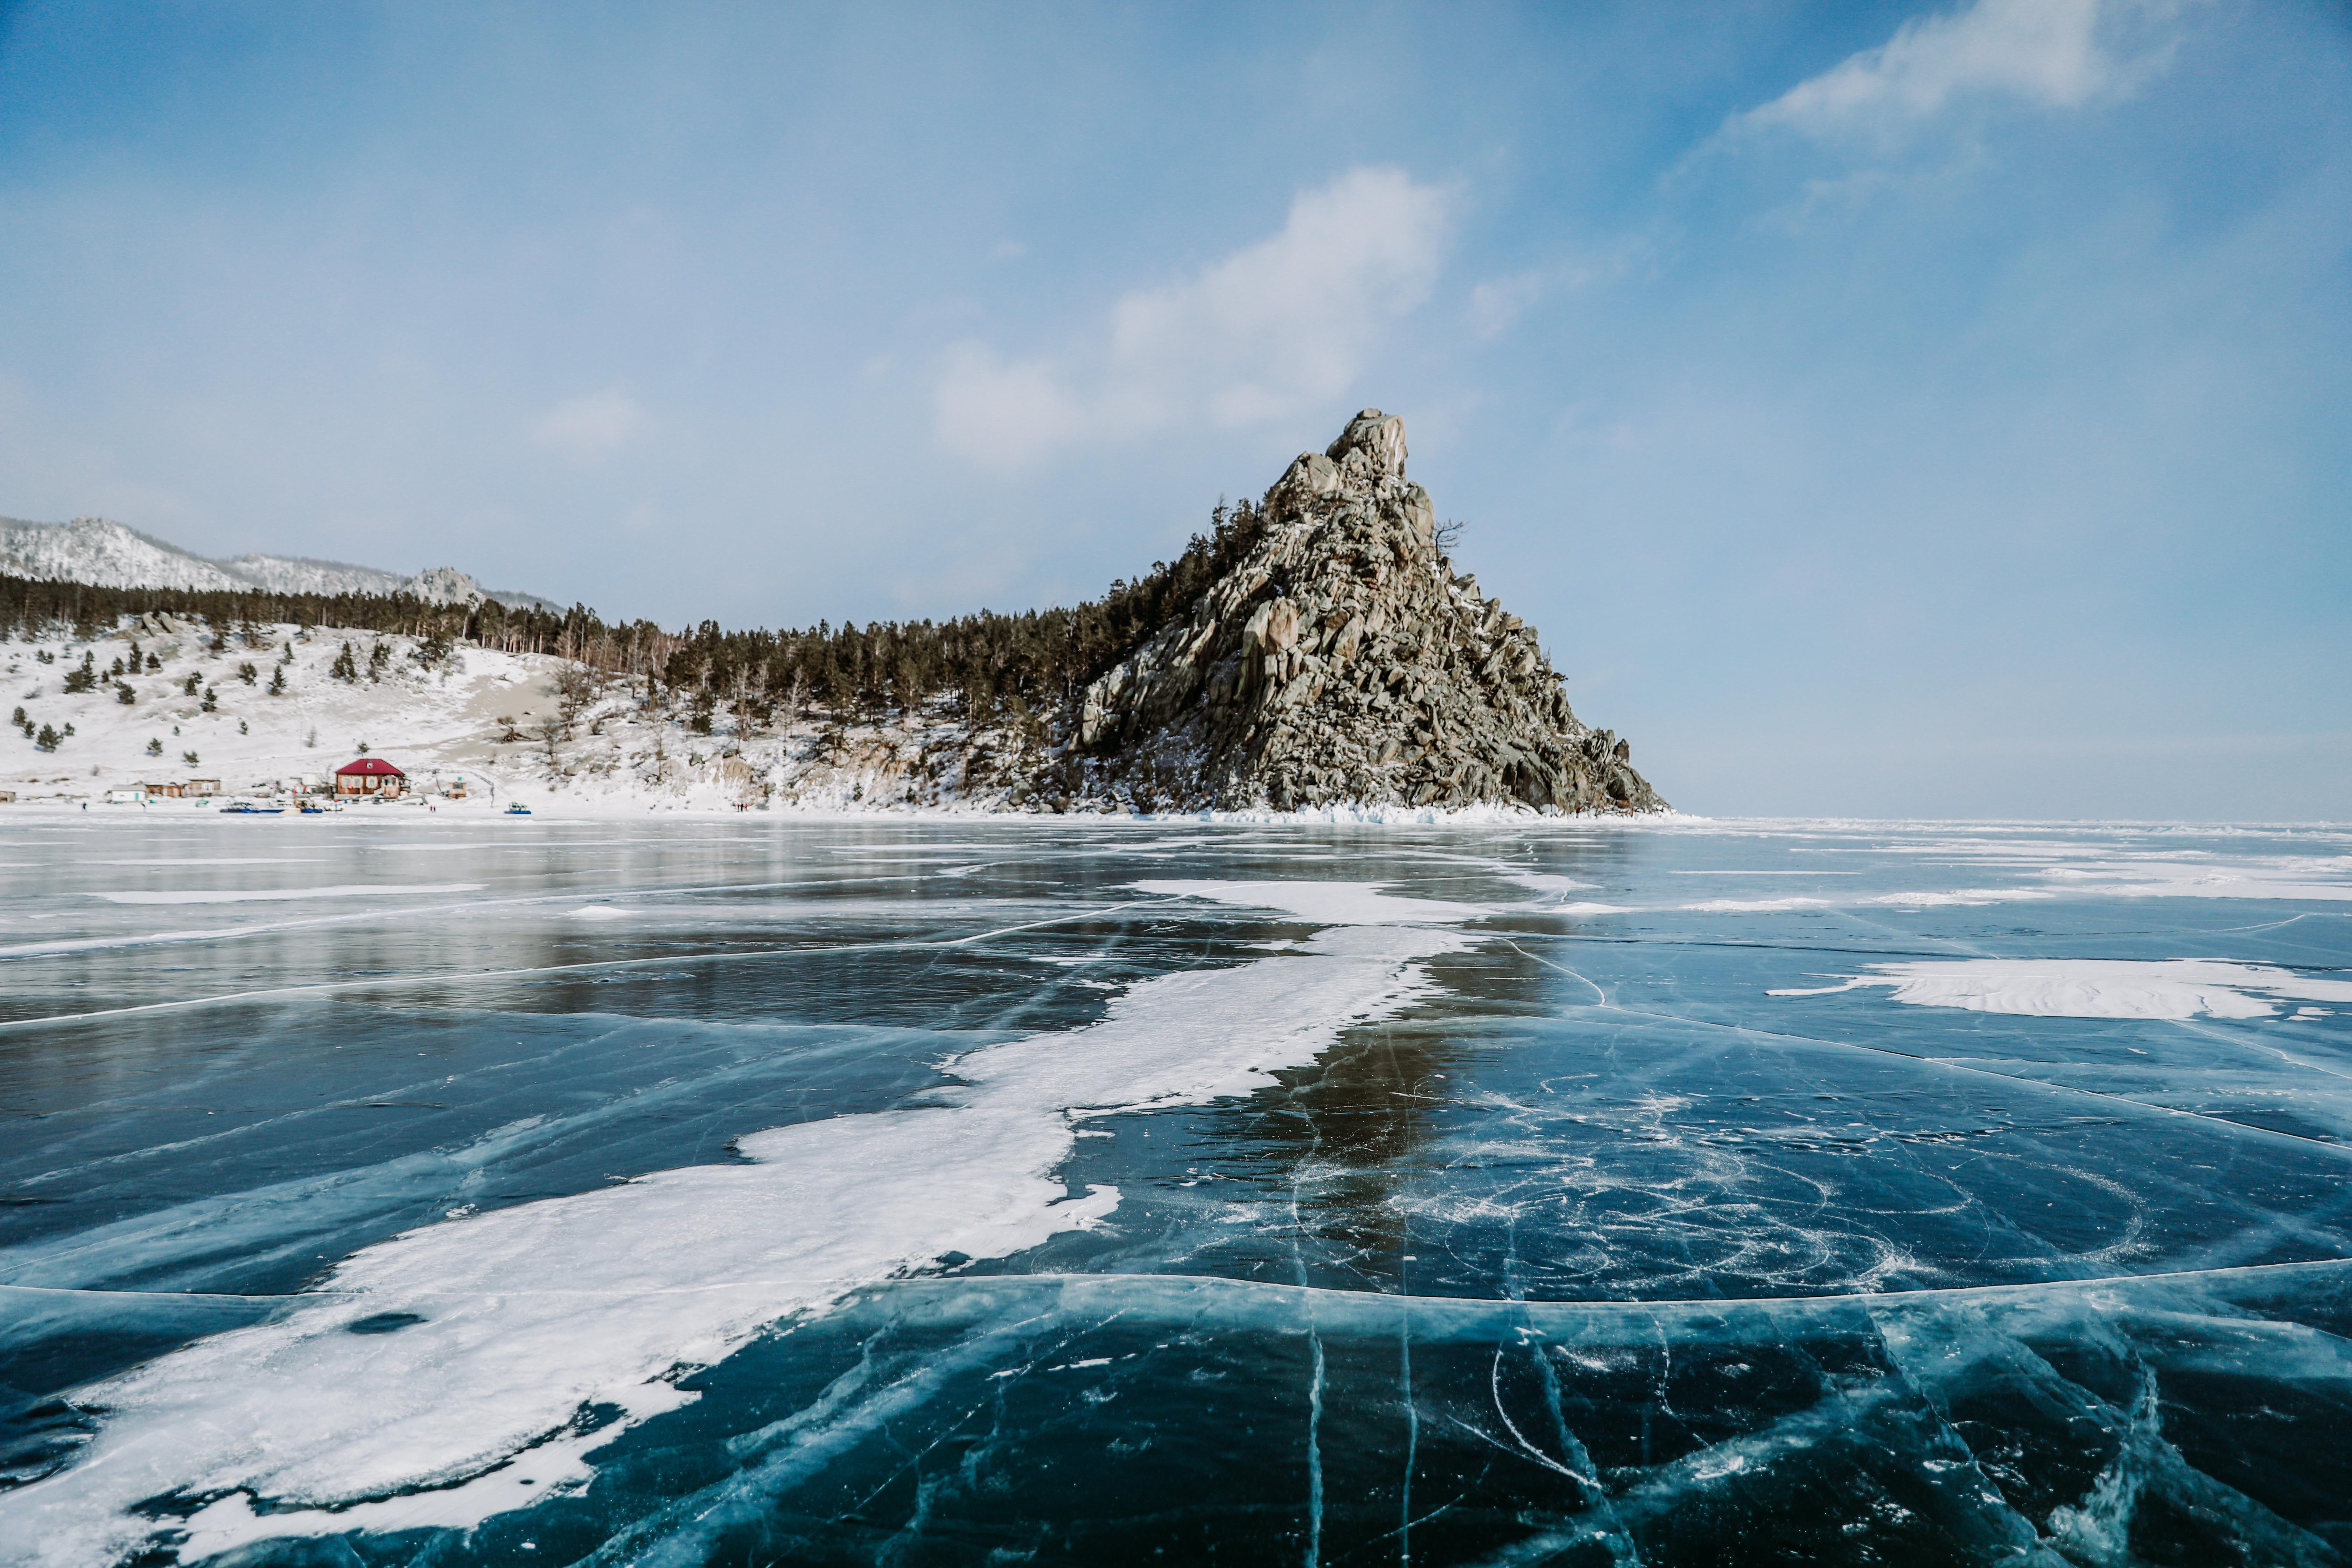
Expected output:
{"points": [[1344, 660]]}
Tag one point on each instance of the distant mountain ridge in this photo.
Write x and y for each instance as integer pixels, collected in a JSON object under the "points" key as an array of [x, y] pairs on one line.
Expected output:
{"points": [[111, 554]]}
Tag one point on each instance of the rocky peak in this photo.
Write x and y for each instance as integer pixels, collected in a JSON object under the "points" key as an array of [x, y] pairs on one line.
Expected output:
{"points": [[445, 586], [1342, 659], [1380, 437]]}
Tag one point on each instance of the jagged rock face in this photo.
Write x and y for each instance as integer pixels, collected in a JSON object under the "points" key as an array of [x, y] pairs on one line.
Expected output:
{"points": [[1342, 660], [445, 586]]}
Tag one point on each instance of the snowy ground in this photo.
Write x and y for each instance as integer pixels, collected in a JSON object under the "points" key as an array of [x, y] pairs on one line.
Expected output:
{"points": [[479, 717]]}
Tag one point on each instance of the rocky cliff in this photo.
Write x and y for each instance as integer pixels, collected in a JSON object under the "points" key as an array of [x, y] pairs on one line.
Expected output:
{"points": [[1343, 661]]}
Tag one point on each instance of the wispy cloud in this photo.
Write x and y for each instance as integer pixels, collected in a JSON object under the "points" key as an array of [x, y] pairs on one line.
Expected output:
{"points": [[1497, 302], [592, 424], [1273, 329], [2059, 54]]}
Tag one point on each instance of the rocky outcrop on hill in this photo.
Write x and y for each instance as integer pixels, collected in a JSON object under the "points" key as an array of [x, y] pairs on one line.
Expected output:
{"points": [[445, 586], [1342, 660]]}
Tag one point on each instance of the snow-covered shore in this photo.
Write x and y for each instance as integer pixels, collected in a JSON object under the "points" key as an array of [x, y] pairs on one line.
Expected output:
{"points": [[491, 723], [498, 727]]}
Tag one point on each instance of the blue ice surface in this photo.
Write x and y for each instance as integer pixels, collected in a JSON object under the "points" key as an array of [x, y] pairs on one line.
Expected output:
{"points": [[1596, 1252]]}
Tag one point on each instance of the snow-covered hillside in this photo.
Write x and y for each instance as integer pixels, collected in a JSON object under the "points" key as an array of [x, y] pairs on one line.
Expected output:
{"points": [[97, 551], [497, 721]]}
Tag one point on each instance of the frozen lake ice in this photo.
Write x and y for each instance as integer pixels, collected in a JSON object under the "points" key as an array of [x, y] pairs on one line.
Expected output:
{"points": [[962, 1191]]}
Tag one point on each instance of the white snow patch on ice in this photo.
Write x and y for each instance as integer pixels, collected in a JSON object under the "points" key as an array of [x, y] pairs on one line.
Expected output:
{"points": [[1185, 1038], [2298, 880], [272, 895], [1754, 906], [2092, 987], [1962, 897], [2084, 868], [598, 913], [526, 1316], [1544, 882], [531, 1312], [1333, 903]]}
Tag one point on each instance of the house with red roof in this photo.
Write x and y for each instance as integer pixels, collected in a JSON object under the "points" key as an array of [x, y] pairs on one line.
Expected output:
{"points": [[370, 776]]}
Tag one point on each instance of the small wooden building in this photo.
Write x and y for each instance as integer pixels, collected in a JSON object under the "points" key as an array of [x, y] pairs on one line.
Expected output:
{"points": [[370, 776]]}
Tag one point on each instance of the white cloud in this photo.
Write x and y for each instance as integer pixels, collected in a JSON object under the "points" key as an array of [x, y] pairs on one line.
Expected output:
{"points": [[591, 425], [1000, 413], [1271, 330], [2043, 51], [1497, 302]]}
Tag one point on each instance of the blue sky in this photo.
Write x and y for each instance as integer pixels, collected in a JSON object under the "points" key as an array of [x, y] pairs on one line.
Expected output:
{"points": [[1883, 409]]}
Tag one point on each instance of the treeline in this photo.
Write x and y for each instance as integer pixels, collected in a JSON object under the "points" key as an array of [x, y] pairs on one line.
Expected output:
{"points": [[1036, 661], [32, 606]]}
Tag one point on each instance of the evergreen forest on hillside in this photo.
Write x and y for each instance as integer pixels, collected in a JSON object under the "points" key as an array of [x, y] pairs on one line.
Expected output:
{"points": [[1032, 663]]}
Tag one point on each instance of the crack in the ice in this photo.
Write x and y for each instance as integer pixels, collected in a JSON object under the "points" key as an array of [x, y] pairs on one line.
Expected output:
{"points": [[458, 977], [1495, 1387], [1952, 1064]]}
